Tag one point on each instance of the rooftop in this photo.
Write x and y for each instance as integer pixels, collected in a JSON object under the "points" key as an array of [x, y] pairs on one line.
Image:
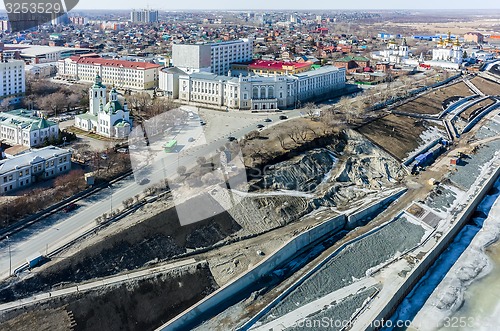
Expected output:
{"points": [[34, 156], [36, 50], [210, 76], [353, 58], [114, 63], [277, 65], [322, 70], [24, 118]]}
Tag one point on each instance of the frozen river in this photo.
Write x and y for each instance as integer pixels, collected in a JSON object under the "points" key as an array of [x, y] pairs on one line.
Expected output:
{"points": [[461, 290]]}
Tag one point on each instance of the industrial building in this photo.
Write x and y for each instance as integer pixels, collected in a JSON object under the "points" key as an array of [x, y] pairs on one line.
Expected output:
{"points": [[34, 54]]}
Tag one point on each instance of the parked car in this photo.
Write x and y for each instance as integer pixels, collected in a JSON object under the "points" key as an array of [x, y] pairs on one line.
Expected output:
{"points": [[144, 181], [231, 138], [70, 207], [268, 120], [191, 139], [283, 117], [260, 126]]}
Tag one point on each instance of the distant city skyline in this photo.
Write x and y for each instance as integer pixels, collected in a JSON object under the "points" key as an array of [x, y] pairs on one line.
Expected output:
{"points": [[281, 5]]}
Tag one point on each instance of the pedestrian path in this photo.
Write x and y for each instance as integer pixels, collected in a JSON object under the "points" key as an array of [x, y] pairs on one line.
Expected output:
{"points": [[89, 286]]}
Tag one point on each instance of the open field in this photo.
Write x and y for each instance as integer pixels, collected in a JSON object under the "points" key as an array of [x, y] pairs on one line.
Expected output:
{"points": [[398, 135], [486, 86], [483, 25], [432, 103], [471, 110]]}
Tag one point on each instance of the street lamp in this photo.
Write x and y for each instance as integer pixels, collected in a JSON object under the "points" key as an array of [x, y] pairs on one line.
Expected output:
{"points": [[10, 257], [111, 199]]}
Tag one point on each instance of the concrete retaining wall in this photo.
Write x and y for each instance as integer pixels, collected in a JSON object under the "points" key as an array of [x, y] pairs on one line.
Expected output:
{"points": [[318, 266], [425, 264], [424, 149], [286, 252], [357, 218], [480, 116]]}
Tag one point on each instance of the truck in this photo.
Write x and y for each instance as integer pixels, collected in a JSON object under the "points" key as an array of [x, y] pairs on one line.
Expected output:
{"points": [[34, 260]]}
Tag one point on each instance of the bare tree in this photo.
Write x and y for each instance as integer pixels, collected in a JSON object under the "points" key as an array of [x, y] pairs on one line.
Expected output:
{"points": [[181, 170], [311, 109], [53, 102], [281, 138], [5, 105], [294, 134]]}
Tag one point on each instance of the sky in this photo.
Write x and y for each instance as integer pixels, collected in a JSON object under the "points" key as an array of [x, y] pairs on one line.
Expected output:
{"points": [[284, 4], [288, 4]]}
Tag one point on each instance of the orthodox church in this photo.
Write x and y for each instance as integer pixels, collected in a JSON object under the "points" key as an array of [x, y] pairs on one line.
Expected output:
{"points": [[111, 119], [394, 53], [448, 51]]}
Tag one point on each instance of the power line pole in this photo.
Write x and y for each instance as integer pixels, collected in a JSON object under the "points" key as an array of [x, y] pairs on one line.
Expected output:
{"points": [[10, 258]]}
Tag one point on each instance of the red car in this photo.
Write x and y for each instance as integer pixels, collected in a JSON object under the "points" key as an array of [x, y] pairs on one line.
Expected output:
{"points": [[70, 207]]}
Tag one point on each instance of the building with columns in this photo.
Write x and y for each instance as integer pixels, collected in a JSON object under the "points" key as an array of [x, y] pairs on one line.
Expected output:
{"points": [[110, 119], [259, 92]]}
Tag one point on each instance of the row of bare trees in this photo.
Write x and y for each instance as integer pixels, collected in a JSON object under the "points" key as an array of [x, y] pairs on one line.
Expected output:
{"points": [[146, 107], [50, 97], [38, 199]]}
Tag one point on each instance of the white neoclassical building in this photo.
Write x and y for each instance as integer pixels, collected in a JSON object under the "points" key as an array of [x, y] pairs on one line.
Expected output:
{"points": [[110, 119], [259, 92], [38, 164], [27, 128]]}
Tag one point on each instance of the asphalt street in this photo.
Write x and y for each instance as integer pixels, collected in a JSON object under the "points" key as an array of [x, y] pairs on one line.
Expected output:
{"points": [[62, 228]]}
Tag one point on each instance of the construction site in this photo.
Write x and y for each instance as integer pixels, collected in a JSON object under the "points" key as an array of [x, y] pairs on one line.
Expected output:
{"points": [[341, 231]]}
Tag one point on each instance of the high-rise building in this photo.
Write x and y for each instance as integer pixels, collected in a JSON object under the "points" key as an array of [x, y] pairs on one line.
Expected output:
{"points": [[12, 79], [58, 19], [5, 25], [144, 16], [215, 57], [78, 20]]}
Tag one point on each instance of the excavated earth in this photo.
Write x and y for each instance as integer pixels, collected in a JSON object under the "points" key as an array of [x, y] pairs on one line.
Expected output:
{"points": [[332, 176]]}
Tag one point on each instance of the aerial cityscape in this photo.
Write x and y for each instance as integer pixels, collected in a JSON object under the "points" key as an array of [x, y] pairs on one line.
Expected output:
{"points": [[261, 166]]}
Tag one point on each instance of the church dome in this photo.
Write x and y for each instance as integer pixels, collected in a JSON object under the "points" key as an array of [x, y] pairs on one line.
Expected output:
{"points": [[112, 107]]}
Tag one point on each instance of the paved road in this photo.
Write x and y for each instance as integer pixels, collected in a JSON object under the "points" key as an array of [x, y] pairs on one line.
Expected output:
{"points": [[63, 228]]}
